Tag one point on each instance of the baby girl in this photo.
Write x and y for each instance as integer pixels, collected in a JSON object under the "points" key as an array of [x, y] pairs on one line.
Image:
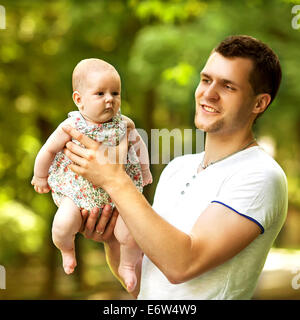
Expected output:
{"points": [[97, 94]]}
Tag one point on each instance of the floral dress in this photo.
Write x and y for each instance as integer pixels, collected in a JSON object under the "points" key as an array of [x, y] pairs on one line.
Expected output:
{"points": [[64, 182]]}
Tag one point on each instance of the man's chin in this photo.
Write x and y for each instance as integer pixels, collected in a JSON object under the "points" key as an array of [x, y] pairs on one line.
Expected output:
{"points": [[209, 128]]}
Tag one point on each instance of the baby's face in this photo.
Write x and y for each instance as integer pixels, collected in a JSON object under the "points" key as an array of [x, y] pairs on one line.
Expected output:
{"points": [[101, 96]]}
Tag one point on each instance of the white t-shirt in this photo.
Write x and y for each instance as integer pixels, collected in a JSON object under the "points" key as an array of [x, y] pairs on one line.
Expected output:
{"points": [[249, 182]]}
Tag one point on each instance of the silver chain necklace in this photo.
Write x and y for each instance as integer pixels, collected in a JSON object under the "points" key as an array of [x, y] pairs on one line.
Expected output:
{"points": [[231, 154]]}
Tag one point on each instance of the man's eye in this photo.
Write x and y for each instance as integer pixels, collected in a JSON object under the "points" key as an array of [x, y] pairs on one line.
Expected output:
{"points": [[205, 80], [229, 87]]}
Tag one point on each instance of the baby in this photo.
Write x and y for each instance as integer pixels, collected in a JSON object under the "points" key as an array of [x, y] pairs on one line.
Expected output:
{"points": [[97, 94]]}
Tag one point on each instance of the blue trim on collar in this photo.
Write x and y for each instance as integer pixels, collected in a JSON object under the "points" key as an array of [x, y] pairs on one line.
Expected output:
{"points": [[255, 221]]}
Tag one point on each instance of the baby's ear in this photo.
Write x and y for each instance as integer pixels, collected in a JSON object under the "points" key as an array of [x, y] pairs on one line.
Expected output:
{"points": [[77, 99]]}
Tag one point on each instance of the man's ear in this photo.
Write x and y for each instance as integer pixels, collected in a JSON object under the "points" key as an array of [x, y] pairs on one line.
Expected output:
{"points": [[262, 102], [77, 100]]}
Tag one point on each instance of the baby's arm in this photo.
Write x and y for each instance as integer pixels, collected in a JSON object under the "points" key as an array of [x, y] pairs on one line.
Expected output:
{"points": [[142, 153], [54, 144], [130, 124], [140, 149]]}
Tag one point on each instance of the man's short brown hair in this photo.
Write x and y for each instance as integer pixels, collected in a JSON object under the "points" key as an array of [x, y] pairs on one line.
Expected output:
{"points": [[266, 74]]}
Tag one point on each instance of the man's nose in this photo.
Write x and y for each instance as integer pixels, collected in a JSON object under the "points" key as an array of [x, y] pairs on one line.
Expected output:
{"points": [[210, 92]]}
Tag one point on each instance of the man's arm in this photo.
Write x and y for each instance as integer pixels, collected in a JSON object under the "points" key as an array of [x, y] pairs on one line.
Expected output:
{"points": [[218, 234]]}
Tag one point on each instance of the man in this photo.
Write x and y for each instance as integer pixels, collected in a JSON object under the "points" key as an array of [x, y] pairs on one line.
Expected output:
{"points": [[215, 214]]}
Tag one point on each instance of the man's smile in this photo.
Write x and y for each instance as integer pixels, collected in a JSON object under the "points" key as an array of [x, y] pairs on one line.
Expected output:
{"points": [[208, 109]]}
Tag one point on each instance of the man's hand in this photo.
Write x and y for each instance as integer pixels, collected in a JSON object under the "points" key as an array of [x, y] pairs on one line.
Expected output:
{"points": [[40, 184], [103, 231], [98, 163]]}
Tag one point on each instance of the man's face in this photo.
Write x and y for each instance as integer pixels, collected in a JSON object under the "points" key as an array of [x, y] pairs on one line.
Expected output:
{"points": [[224, 96], [101, 96]]}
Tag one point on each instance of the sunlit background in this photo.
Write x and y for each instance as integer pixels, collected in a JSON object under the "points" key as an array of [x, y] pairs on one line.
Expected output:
{"points": [[159, 48]]}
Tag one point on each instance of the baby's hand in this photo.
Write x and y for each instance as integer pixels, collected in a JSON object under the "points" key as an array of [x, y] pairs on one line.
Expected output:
{"points": [[130, 124], [147, 177], [40, 184]]}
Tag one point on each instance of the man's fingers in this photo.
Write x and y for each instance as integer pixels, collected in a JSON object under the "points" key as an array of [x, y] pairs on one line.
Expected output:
{"points": [[111, 225], [84, 215], [91, 222], [75, 168], [104, 228], [104, 218], [86, 141], [72, 155], [77, 150], [108, 153]]}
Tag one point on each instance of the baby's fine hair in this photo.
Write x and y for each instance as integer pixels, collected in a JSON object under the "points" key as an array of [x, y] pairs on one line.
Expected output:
{"points": [[86, 66]]}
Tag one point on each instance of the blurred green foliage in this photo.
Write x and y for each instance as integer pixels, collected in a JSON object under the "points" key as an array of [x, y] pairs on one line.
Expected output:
{"points": [[159, 48]]}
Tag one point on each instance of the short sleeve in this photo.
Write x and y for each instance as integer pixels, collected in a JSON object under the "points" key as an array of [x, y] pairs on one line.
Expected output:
{"points": [[258, 194]]}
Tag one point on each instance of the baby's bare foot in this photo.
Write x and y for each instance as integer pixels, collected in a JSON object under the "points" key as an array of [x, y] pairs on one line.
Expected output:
{"points": [[69, 261], [127, 272]]}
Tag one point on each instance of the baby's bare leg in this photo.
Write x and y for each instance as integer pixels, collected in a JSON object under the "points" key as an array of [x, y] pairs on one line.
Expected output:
{"points": [[130, 253], [66, 224]]}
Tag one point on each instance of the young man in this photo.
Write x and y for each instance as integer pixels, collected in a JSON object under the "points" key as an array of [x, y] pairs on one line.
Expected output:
{"points": [[215, 214]]}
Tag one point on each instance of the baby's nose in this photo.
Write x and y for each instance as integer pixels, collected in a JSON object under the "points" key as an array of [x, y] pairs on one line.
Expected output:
{"points": [[108, 98]]}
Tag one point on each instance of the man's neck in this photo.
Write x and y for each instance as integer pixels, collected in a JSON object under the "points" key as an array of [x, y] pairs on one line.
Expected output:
{"points": [[218, 146]]}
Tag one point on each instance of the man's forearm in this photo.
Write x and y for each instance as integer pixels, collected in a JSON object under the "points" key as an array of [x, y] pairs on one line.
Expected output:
{"points": [[168, 247]]}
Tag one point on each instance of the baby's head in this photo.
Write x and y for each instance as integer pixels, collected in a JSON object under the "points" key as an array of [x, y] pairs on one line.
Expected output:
{"points": [[96, 90]]}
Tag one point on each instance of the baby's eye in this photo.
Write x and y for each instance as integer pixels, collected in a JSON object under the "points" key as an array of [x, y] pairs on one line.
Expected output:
{"points": [[115, 93], [100, 93]]}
